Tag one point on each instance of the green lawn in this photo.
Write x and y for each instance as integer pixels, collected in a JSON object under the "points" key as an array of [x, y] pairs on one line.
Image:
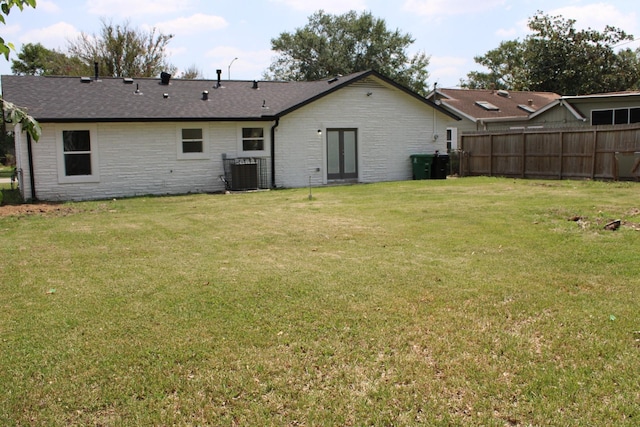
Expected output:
{"points": [[468, 301], [6, 171]]}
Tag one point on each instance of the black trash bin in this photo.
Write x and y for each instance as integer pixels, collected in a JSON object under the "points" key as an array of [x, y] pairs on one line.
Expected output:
{"points": [[440, 166]]}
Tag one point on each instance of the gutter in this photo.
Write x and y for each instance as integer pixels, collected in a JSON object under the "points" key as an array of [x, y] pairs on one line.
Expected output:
{"points": [[273, 152], [32, 179]]}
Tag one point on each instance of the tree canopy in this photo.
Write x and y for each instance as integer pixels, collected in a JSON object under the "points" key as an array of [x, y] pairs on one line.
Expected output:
{"points": [[556, 57], [10, 112], [122, 51], [36, 60], [5, 9], [331, 45]]}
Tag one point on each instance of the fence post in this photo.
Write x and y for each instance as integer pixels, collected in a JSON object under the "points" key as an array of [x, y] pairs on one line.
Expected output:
{"points": [[524, 154], [593, 157], [491, 155], [561, 159]]}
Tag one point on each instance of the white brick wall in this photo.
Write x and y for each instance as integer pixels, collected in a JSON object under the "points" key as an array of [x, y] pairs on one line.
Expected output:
{"points": [[141, 158], [135, 159], [391, 126]]}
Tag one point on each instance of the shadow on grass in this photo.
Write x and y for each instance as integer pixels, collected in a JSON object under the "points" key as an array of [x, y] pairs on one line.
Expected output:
{"points": [[10, 196]]}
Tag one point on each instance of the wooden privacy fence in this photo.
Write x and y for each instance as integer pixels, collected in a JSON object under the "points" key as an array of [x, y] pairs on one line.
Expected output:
{"points": [[603, 152]]}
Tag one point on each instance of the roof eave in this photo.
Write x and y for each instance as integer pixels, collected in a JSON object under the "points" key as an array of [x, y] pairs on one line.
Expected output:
{"points": [[153, 119], [459, 113], [600, 95], [504, 119], [361, 77]]}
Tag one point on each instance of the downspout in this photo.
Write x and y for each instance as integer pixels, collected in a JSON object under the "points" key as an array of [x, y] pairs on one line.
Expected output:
{"points": [[32, 179], [273, 152], [434, 137]]}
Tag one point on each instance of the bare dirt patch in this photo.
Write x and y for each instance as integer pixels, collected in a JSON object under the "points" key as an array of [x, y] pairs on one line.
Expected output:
{"points": [[36, 209]]}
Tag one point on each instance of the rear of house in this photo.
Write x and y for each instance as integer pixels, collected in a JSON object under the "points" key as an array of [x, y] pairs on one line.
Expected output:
{"points": [[106, 138]]}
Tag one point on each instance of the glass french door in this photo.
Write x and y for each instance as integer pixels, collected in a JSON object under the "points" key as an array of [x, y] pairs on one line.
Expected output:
{"points": [[342, 153]]}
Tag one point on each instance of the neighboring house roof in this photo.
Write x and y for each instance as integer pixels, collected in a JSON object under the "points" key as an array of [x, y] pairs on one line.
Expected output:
{"points": [[66, 99], [493, 105], [625, 94]]}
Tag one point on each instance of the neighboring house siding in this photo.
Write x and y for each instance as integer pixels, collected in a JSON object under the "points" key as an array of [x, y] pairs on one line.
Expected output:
{"points": [[135, 159], [557, 117], [390, 127], [587, 106]]}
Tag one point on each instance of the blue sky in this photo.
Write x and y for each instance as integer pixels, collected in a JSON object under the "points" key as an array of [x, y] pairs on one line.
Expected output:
{"points": [[209, 34]]}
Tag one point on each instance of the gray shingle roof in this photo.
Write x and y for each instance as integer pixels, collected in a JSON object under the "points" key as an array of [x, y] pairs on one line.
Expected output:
{"points": [[60, 99], [115, 99]]}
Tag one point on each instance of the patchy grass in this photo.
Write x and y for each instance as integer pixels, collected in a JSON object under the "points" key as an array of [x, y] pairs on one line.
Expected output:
{"points": [[474, 301]]}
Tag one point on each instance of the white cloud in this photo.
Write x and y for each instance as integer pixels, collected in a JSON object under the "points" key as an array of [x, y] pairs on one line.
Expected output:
{"points": [[594, 16], [439, 61], [10, 31], [249, 65], [598, 15], [174, 51], [198, 23], [329, 6], [47, 6], [129, 8], [447, 70], [434, 8], [53, 37], [507, 33], [519, 30]]}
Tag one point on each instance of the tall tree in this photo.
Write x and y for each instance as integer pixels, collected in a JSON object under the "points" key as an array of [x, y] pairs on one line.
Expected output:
{"points": [[505, 65], [191, 73], [341, 44], [557, 57], [36, 60], [10, 112], [122, 51], [5, 9]]}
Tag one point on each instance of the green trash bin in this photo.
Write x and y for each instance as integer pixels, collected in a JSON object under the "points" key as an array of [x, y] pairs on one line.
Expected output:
{"points": [[422, 165]]}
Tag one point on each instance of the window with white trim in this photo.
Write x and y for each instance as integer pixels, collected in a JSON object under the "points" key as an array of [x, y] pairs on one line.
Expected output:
{"points": [[77, 154], [452, 139], [76, 148], [192, 143], [252, 139]]}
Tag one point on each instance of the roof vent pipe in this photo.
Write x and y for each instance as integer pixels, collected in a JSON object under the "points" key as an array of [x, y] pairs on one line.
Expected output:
{"points": [[255, 84], [164, 78], [205, 95], [219, 73], [96, 73]]}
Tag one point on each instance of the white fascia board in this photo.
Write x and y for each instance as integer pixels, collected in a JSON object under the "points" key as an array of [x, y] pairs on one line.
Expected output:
{"points": [[458, 112]]}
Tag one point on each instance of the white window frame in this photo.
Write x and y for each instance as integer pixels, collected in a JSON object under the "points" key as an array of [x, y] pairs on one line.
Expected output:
{"points": [[63, 178], [454, 138], [205, 154], [254, 153]]}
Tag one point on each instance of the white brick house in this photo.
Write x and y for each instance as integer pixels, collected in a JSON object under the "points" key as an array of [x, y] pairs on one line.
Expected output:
{"points": [[105, 138]]}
